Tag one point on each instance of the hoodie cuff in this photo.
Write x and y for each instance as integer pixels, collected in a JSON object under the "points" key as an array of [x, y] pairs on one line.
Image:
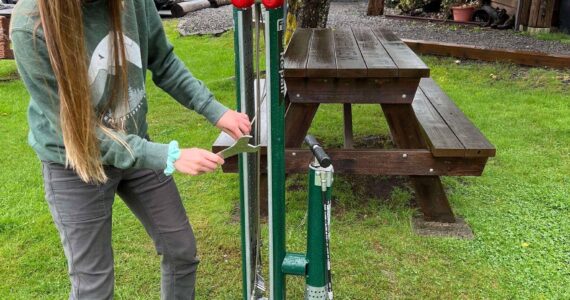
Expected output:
{"points": [[155, 156], [214, 111]]}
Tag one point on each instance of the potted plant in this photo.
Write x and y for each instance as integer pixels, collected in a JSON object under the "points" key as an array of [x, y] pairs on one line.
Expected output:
{"points": [[462, 9]]}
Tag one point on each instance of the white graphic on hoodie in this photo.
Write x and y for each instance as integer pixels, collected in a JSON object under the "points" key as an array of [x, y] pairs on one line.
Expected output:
{"points": [[102, 65]]}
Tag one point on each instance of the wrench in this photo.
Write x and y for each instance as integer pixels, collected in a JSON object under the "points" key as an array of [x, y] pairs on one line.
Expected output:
{"points": [[240, 146]]}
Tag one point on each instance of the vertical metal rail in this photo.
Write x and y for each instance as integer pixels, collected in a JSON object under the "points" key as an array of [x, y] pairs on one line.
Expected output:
{"points": [[259, 282], [315, 264], [318, 278], [316, 255], [248, 164], [273, 17]]}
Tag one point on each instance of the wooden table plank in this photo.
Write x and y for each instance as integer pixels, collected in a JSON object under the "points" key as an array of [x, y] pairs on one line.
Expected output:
{"points": [[224, 140], [297, 53], [378, 61], [322, 60], [388, 35], [349, 61], [397, 162], [473, 140], [441, 139], [409, 64], [352, 90]]}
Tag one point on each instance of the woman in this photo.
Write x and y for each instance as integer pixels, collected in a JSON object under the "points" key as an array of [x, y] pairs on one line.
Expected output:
{"points": [[84, 64]]}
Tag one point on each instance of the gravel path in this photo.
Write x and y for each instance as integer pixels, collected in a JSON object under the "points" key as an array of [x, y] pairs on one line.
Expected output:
{"points": [[343, 14], [207, 21]]}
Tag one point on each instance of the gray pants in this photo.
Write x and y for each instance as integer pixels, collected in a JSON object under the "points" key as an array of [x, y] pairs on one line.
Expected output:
{"points": [[82, 215]]}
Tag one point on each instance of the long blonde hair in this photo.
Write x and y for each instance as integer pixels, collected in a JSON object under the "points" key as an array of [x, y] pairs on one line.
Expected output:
{"points": [[62, 23]]}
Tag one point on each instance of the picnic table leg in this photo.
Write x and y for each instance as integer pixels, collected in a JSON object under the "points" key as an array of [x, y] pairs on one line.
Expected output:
{"points": [[298, 119], [348, 134], [406, 134]]}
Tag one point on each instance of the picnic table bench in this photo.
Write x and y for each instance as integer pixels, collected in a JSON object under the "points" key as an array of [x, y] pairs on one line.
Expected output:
{"points": [[432, 137], [5, 14]]}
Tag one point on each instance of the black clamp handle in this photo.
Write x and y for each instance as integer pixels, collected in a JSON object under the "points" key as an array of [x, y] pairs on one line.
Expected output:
{"points": [[318, 151]]}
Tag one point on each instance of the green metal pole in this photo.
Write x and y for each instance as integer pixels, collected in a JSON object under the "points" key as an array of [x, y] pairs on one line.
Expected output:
{"points": [[320, 180], [276, 150], [244, 94]]}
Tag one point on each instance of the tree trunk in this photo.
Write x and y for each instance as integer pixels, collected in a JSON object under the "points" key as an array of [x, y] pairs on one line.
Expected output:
{"points": [[218, 3], [313, 14], [180, 9], [306, 14], [375, 7]]}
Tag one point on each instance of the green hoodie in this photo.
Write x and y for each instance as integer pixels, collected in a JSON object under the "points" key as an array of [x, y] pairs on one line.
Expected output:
{"points": [[147, 48]]}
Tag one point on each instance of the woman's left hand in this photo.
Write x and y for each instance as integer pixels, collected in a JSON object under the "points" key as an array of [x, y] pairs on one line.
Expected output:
{"points": [[235, 124]]}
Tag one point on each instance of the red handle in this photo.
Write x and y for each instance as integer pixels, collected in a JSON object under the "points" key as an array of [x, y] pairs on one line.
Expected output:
{"points": [[271, 4], [243, 3]]}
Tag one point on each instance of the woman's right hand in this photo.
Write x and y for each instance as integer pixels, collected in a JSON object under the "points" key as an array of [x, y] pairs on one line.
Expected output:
{"points": [[196, 161]]}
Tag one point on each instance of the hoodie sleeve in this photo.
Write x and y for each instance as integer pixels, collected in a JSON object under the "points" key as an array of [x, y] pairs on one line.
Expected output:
{"points": [[171, 75], [37, 74]]}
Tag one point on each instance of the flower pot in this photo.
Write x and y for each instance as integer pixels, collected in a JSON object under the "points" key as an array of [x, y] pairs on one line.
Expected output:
{"points": [[463, 14]]}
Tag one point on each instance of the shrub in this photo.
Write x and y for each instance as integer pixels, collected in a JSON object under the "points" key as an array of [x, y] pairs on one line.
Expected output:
{"points": [[409, 5], [446, 5], [392, 3]]}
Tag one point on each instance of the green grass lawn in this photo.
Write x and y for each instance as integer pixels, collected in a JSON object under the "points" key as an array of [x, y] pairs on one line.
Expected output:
{"points": [[519, 209], [554, 36], [551, 36]]}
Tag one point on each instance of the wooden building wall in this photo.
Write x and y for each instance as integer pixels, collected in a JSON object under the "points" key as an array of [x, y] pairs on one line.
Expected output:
{"points": [[509, 5], [539, 13]]}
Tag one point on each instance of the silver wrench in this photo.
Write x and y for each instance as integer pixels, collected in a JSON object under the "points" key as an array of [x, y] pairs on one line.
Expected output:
{"points": [[240, 146]]}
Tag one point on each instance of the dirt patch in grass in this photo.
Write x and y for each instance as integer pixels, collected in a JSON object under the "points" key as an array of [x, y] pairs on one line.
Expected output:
{"points": [[380, 187], [459, 229], [235, 215], [373, 142], [296, 186], [376, 187], [519, 73], [12, 76], [229, 251], [564, 79]]}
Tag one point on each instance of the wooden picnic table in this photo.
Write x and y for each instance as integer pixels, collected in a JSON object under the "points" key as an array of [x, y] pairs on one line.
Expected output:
{"points": [[431, 136], [5, 14], [354, 65]]}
